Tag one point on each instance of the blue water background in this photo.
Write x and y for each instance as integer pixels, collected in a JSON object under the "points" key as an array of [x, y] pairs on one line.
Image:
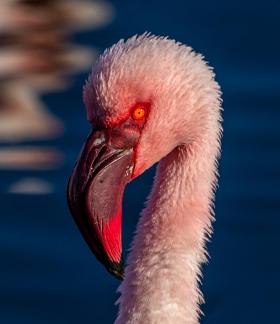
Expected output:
{"points": [[48, 275]]}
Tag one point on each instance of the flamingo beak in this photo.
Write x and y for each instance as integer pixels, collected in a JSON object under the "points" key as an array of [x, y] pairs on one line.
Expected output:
{"points": [[95, 191]]}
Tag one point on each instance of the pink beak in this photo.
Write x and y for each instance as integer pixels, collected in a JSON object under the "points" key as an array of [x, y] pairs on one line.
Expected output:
{"points": [[95, 191]]}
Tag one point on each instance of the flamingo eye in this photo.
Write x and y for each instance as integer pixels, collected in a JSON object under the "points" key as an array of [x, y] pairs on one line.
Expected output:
{"points": [[138, 112]]}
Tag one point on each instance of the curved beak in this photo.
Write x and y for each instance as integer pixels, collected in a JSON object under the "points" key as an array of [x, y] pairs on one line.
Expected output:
{"points": [[95, 192]]}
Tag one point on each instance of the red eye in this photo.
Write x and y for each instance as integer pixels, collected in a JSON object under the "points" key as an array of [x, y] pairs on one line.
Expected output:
{"points": [[138, 112]]}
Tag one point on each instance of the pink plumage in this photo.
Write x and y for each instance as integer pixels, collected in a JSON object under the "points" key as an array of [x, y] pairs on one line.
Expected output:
{"points": [[182, 131]]}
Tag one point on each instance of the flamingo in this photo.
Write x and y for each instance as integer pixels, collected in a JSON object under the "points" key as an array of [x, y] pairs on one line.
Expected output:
{"points": [[150, 99]]}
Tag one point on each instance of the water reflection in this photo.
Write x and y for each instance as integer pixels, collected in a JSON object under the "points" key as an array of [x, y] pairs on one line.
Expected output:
{"points": [[29, 157], [36, 57], [31, 186], [23, 116]]}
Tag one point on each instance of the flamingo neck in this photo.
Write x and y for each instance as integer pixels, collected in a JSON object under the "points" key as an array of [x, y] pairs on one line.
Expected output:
{"points": [[161, 279]]}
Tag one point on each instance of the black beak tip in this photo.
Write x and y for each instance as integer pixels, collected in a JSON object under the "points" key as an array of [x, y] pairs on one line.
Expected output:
{"points": [[117, 269]]}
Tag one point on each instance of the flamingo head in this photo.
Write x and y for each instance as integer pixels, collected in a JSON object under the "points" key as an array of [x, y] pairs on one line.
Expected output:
{"points": [[140, 103]]}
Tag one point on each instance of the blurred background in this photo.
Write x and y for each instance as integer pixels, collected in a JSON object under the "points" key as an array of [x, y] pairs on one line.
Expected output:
{"points": [[47, 273]]}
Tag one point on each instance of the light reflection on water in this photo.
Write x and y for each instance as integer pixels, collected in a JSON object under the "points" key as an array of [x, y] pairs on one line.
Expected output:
{"points": [[29, 158], [31, 186], [36, 57]]}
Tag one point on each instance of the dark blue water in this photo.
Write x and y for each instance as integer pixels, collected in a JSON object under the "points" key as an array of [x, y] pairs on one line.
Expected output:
{"points": [[48, 274]]}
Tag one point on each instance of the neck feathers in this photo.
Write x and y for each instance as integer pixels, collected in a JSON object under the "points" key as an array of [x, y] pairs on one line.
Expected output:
{"points": [[161, 280]]}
